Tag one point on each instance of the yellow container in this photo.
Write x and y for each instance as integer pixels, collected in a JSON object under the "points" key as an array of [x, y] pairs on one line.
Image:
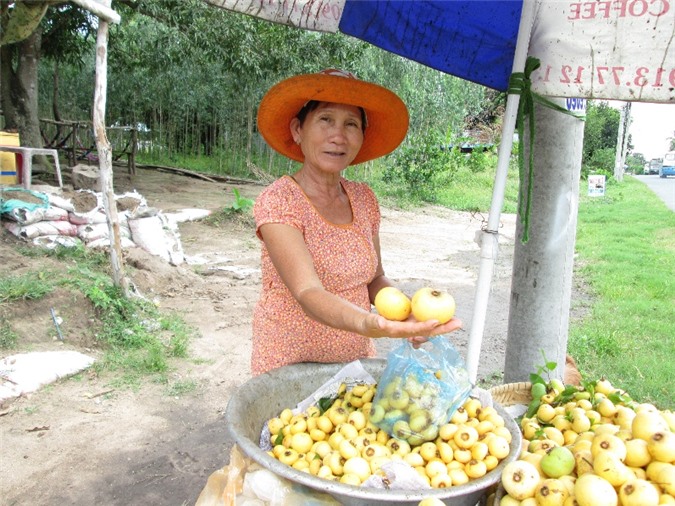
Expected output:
{"points": [[8, 172]]}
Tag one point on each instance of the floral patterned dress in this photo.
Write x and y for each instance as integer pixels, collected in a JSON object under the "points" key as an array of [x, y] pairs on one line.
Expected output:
{"points": [[345, 260]]}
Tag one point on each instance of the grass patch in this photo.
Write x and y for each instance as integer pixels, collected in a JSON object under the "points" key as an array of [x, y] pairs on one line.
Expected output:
{"points": [[33, 285], [465, 190], [626, 256], [8, 338], [137, 338]]}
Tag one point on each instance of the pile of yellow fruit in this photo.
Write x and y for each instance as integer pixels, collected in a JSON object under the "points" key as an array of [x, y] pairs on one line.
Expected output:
{"points": [[343, 445], [594, 447]]}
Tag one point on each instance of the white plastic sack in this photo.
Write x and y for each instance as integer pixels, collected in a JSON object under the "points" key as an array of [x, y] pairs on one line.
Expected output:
{"points": [[159, 236], [42, 228], [96, 231], [94, 216], [52, 241], [104, 243], [60, 202], [26, 216]]}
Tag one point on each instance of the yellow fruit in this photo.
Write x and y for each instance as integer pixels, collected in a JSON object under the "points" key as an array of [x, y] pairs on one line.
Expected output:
{"points": [[545, 413], [475, 469], [507, 500], [335, 462], [301, 442], [666, 479], [392, 303], [638, 493], [555, 435], [520, 479], [608, 443], [647, 423], [654, 468], [435, 467], [458, 476], [604, 386], [551, 492], [661, 446], [624, 417], [637, 454], [607, 465], [580, 423], [592, 490], [583, 462], [669, 417], [480, 450], [430, 304], [288, 457], [465, 437], [535, 460], [606, 408]]}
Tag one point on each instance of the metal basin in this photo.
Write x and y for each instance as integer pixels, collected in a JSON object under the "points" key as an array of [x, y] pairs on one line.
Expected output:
{"points": [[264, 396]]}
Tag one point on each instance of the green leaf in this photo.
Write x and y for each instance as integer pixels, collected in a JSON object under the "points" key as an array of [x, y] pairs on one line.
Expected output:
{"points": [[325, 403], [535, 378], [532, 408]]}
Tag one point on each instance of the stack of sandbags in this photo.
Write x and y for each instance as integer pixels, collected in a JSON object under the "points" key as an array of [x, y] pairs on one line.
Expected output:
{"points": [[49, 220]]}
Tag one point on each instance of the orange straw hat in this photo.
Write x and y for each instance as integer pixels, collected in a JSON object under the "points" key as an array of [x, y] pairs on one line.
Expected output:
{"points": [[387, 115]]}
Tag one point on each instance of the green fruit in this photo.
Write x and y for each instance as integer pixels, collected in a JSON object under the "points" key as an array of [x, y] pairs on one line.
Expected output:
{"points": [[538, 389], [558, 461]]}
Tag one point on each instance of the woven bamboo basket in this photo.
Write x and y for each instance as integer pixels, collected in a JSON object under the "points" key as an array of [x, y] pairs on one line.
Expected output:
{"points": [[506, 395], [511, 394]]}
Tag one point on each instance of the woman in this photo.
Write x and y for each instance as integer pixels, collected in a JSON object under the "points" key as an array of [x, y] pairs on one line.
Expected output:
{"points": [[321, 265]]}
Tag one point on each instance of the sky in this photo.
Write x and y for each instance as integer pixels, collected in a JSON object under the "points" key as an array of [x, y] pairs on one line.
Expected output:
{"points": [[651, 126]]}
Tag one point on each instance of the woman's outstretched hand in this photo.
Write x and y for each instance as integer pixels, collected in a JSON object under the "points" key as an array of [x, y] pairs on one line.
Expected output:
{"points": [[416, 332]]}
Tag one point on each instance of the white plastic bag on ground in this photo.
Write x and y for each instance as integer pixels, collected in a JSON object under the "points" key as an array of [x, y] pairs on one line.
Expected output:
{"points": [[27, 372], [189, 215]]}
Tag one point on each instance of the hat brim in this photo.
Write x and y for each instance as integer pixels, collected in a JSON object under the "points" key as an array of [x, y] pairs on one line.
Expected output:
{"points": [[387, 114]]}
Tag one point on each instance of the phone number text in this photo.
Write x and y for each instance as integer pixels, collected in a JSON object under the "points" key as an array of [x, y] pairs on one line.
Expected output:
{"points": [[608, 76]]}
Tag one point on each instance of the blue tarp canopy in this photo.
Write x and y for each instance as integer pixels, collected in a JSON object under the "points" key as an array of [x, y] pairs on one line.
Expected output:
{"points": [[465, 38]]}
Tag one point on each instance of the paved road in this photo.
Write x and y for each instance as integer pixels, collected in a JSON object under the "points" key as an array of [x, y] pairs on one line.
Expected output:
{"points": [[663, 187]]}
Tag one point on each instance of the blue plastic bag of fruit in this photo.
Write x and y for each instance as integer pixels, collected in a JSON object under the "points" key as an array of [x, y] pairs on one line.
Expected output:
{"points": [[419, 390]]}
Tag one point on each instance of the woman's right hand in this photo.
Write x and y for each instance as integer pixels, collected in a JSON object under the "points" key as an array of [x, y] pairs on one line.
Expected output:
{"points": [[420, 332]]}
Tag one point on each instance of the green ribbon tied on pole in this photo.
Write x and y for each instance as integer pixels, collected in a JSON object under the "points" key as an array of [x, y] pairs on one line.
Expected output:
{"points": [[521, 84]]}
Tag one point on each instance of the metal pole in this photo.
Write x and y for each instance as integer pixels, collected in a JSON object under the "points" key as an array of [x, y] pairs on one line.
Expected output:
{"points": [[489, 238]]}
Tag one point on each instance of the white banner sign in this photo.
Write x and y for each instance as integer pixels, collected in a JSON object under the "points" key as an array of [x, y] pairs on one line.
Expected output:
{"points": [[608, 49], [319, 15]]}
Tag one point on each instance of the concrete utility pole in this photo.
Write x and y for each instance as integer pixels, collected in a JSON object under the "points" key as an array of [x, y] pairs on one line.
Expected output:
{"points": [[542, 268]]}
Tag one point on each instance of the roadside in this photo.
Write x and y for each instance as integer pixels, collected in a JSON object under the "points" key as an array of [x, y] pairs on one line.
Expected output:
{"points": [[88, 440]]}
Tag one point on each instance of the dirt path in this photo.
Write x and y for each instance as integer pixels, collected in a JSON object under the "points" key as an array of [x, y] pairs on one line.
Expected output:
{"points": [[87, 440]]}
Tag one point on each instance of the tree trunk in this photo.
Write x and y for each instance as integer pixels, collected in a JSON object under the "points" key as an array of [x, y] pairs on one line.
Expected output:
{"points": [[19, 88]]}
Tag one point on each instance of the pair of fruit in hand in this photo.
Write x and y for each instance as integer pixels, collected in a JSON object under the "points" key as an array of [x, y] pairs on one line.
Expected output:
{"points": [[426, 304]]}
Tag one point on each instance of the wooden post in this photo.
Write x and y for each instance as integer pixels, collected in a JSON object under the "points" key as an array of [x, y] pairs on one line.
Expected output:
{"points": [[105, 154], [73, 144], [132, 156]]}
